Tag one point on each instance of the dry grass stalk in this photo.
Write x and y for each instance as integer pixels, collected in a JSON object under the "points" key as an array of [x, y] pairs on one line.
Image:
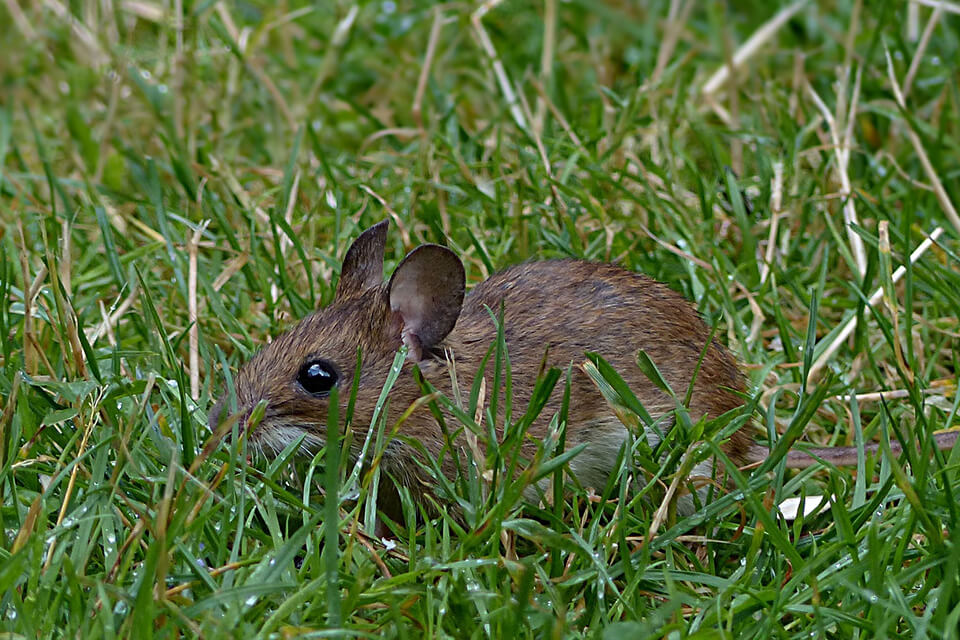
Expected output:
{"points": [[776, 202], [851, 323], [417, 108], [942, 197], [921, 49], [943, 5], [192, 317], [546, 59], [753, 44], [499, 71]]}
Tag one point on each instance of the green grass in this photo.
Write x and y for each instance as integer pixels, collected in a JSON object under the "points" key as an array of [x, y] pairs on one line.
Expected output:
{"points": [[264, 136]]}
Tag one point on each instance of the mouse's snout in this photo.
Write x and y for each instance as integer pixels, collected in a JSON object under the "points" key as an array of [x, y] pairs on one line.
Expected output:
{"points": [[239, 404], [220, 413]]}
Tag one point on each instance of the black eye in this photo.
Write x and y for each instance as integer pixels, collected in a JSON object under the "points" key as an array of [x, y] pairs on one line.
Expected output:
{"points": [[317, 377]]}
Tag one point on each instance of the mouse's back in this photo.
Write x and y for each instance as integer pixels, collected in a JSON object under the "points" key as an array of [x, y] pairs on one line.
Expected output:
{"points": [[556, 311]]}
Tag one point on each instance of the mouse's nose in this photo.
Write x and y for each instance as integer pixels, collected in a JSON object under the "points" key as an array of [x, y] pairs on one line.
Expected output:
{"points": [[221, 412]]}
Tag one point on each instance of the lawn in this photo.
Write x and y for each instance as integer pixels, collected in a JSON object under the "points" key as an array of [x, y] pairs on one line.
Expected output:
{"points": [[179, 183]]}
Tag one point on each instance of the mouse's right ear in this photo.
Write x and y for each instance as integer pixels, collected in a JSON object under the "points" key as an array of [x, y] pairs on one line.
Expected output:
{"points": [[426, 291], [363, 265]]}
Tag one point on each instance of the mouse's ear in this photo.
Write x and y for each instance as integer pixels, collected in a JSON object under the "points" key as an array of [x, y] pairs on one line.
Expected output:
{"points": [[426, 291], [363, 265]]}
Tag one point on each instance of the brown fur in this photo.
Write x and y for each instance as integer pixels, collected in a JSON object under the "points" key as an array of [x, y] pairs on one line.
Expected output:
{"points": [[605, 309], [562, 308]]}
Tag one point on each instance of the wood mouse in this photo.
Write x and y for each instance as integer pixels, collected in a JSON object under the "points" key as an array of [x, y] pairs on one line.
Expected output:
{"points": [[558, 308]]}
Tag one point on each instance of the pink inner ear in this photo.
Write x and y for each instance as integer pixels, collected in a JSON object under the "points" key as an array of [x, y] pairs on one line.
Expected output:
{"points": [[426, 291], [409, 302], [407, 336], [414, 348]]}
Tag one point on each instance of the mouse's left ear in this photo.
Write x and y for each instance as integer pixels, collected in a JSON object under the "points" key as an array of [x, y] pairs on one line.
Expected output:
{"points": [[363, 265], [426, 290]]}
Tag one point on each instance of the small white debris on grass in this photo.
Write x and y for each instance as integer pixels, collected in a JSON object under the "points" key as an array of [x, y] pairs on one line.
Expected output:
{"points": [[791, 506]]}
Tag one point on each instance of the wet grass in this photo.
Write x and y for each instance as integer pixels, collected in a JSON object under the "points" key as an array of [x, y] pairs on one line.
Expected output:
{"points": [[171, 197]]}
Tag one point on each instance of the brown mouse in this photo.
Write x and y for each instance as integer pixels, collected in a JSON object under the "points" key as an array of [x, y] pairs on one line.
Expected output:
{"points": [[556, 309]]}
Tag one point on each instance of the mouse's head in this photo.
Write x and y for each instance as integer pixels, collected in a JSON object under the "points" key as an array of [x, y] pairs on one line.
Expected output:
{"points": [[295, 373]]}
